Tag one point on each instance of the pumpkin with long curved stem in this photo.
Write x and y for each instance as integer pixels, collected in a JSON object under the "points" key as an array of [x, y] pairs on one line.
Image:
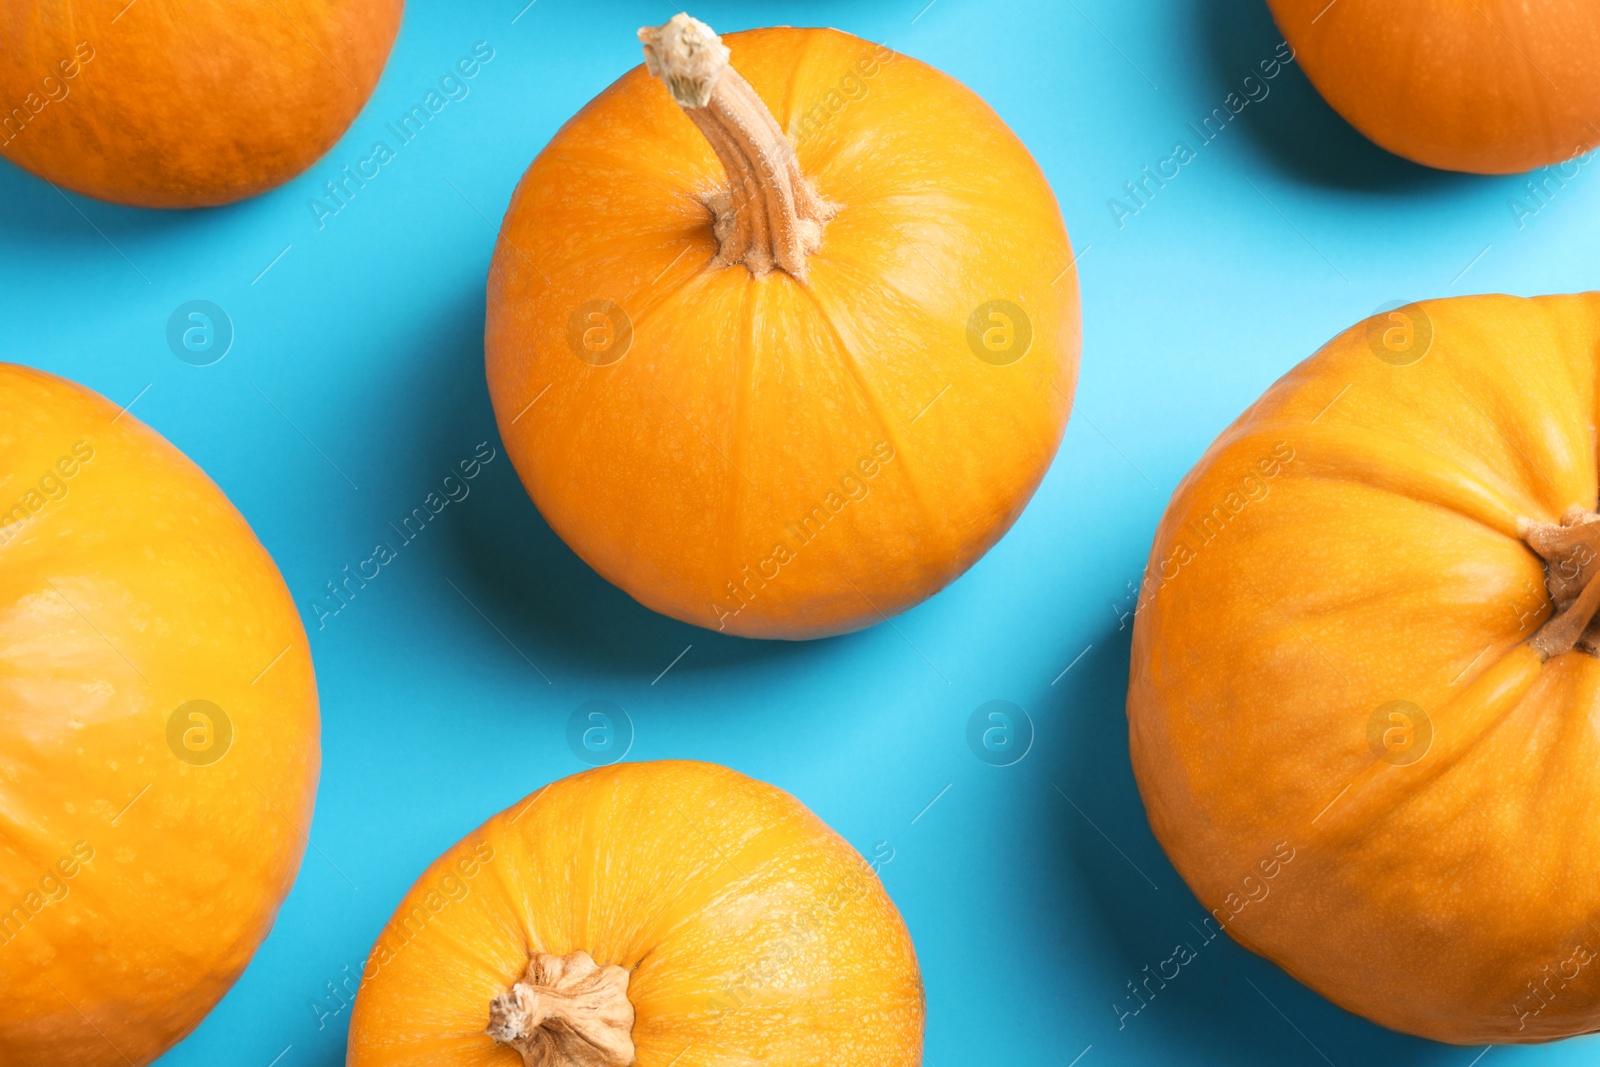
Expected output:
{"points": [[1488, 86], [158, 734], [1364, 704], [670, 914], [184, 103], [782, 350]]}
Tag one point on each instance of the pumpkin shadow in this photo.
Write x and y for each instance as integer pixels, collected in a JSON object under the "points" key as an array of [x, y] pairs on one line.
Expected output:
{"points": [[33, 208], [1292, 127], [519, 573], [1226, 1000]]}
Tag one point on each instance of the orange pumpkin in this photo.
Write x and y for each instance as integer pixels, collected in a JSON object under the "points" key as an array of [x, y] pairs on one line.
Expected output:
{"points": [[158, 734], [184, 103], [657, 914], [786, 356], [1364, 683], [1492, 87]]}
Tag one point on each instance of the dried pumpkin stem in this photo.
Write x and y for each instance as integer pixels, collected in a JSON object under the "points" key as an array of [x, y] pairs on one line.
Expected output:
{"points": [[1571, 552], [770, 216], [567, 1011]]}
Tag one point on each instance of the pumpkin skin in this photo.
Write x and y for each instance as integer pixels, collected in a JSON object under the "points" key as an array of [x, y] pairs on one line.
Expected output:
{"points": [[1490, 87], [771, 456], [752, 933], [1356, 539], [184, 103], [135, 885]]}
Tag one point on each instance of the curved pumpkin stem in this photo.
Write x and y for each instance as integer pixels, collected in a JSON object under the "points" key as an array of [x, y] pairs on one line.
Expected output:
{"points": [[567, 1011], [1571, 552], [770, 215]]}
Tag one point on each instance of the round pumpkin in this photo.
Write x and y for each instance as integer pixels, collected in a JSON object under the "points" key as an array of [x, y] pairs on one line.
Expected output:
{"points": [[782, 356], [1364, 702], [1491, 87], [672, 913], [184, 103], [158, 734]]}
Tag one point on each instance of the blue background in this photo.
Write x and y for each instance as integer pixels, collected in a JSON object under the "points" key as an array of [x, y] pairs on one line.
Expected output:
{"points": [[1034, 891]]}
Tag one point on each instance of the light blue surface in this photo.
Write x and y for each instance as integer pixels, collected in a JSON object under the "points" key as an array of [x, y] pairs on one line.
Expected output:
{"points": [[1034, 891]]}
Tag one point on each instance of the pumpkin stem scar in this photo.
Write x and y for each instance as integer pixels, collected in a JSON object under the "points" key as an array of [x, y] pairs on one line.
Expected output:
{"points": [[1571, 553], [770, 216], [567, 1011]]}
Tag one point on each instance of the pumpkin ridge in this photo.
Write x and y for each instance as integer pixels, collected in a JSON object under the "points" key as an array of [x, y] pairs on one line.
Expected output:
{"points": [[563, 439], [642, 244], [846, 265], [451, 942], [796, 68], [19, 843], [1380, 788], [589, 860], [715, 884], [657, 299], [873, 404], [1435, 495], [820, 157], [578, 152], [1496, 419], [735, 524], [1533, 76], [1420, 474], [1287, 402], [499, 832]]}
